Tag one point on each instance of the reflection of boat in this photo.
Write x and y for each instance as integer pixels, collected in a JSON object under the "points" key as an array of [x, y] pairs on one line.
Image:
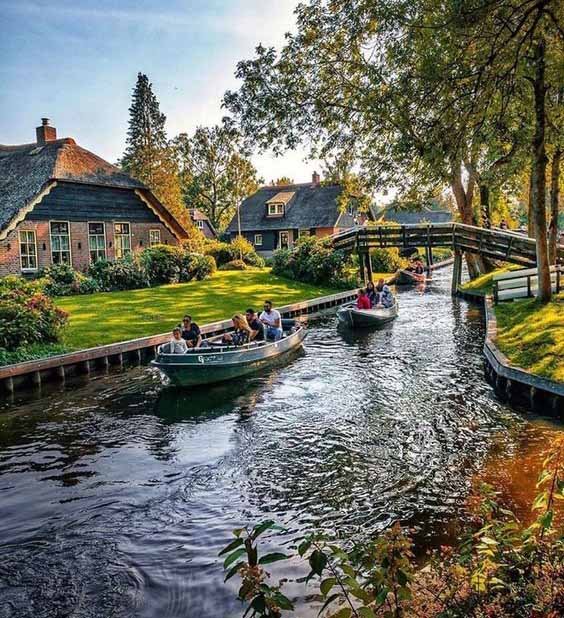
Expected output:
{"points": [[408, 277], [219, 362], [354, 317]]}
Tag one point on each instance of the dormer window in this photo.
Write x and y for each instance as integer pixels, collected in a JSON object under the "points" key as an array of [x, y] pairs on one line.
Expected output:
{"points": [[275, 210], [276, 205]]}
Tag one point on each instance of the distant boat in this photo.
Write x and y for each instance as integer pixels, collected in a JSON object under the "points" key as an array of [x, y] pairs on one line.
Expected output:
{"points": [[220, 362], [353, 317], [408, 277]]}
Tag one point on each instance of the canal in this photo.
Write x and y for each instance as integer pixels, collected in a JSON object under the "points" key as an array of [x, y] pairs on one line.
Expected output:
{"points": [[117, 494]]}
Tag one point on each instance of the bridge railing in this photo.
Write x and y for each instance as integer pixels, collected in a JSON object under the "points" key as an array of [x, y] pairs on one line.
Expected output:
{"points": [[495, 244]]}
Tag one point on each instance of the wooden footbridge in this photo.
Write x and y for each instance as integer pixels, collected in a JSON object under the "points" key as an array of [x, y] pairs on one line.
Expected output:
{"points": [[503, 245]]}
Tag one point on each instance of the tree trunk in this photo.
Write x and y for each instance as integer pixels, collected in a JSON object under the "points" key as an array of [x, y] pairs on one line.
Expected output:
{"points": [[485, 206], [539, 176], [530, 216], [463, 199], [554, 206]]}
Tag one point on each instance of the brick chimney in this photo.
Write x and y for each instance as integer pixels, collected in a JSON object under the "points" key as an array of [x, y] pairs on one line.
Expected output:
{"points": [[315, 179], [45, 133]]}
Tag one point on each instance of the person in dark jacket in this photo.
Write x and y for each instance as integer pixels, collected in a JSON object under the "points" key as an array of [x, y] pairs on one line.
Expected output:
{"points": [[190, 332], [257, 329]]}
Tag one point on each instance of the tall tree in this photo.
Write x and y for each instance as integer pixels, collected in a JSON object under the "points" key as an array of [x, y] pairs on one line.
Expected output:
{"points": [[412, 84], [214, 173], [148, 156], [283, 180]]}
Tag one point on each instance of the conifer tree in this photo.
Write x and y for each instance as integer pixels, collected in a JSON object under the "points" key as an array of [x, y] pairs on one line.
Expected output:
{"points": [[148, 155]]}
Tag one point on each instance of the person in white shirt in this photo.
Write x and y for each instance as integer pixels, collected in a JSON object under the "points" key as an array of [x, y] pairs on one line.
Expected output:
{"points": [[272, 321], [177, 345]]}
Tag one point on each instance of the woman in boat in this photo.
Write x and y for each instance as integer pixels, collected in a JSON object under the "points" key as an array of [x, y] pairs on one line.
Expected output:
{"points": [[371, 293], [362, 300], [190, 332], [418, 268], [384, 295], [241, 333]]}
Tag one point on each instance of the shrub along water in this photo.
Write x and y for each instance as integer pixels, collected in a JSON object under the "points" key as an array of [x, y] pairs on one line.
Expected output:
{"points": [[313, 260], [502, 568]]}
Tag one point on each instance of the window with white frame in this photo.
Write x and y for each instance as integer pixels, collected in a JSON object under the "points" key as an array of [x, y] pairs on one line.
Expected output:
{"points": [[305, 232], [200, 224], [154, 237], [258, 240], [122, 239], [28, 250], [96, 241], [60, 242], [275, 209]]}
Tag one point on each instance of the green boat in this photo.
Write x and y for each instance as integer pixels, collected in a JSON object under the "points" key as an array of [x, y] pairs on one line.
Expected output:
{"points": [[217, 362]]}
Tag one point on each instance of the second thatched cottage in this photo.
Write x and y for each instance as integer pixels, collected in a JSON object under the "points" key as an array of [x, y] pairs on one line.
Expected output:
{"points": [[276, 216]]}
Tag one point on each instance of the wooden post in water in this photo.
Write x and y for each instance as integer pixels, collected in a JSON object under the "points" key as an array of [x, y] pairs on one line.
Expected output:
{"points": [[368, 265], [429, 256], [361, 268], [456, 271]]}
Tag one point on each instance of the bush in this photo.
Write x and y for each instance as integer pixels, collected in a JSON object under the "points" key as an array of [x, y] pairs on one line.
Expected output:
{"points": [[239, 248], [387, 260], [234, 265], [204, 266], [63, 280], [124, 274], [27, 315], [162, 264], [313, 261]]}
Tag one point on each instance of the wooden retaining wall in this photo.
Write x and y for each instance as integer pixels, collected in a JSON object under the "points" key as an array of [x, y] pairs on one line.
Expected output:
{"points": [[34, 373], [519, 387]]}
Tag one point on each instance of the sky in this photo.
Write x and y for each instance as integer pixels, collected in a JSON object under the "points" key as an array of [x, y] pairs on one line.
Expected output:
{"points": [[76, 62]]}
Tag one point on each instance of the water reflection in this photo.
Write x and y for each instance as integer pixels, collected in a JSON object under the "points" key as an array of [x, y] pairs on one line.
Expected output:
{"points": [[115, 498]]}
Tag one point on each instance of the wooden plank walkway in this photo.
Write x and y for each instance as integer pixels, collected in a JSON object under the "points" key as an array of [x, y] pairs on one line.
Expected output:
{"points": [[496, 244]]}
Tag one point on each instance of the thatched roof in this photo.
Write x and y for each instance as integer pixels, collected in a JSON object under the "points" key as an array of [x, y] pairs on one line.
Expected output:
{"points": [[28, 170], [307, 206]]}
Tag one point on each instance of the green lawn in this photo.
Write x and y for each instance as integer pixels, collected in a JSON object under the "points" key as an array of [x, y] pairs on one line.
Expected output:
{"points": [[98, 319], [532, 335], [483, 284]]}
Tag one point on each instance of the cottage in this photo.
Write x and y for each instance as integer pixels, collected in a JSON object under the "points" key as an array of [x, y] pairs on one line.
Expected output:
{"points": [[61, 204], [276, 216], [202, 222], [414, 215]]}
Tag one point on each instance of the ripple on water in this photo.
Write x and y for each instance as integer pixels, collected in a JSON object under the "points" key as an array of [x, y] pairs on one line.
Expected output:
{"points": [[116, 498]]}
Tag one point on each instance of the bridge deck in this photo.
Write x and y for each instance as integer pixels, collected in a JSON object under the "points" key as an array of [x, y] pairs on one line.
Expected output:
{"points": [[496, 244]]}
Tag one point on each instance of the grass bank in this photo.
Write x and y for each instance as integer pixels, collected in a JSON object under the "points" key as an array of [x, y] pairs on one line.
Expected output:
{"points": [[483, 284], [531, 335], [104, 318]]}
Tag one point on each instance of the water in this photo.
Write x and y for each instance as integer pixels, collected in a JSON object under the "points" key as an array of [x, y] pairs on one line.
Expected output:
{"points": [[116, 497]]}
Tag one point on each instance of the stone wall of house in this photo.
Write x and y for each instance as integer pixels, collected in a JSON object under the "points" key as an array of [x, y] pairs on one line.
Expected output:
{"points": [[10, 263]]}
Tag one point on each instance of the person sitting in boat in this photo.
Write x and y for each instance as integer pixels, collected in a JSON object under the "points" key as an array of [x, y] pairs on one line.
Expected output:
{"points": [[190, 332], [257, 329], [241, 333], [384, 294], [177, 345], [371, 293], [418, 267], [362, 300], [272, 320]]}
